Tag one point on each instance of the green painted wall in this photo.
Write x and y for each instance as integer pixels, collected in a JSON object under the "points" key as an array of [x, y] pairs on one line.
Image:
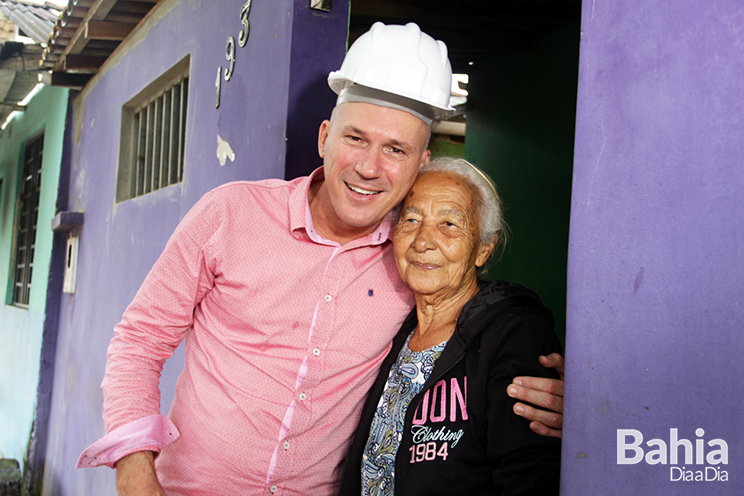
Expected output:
{"points": [[521, 120], [21, 328]]}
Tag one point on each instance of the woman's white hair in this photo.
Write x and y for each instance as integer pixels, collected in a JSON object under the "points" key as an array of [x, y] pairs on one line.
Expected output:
{"points": [[491, 224]]}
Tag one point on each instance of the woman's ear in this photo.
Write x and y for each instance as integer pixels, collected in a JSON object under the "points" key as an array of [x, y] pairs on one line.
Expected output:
{"points": [[484, 251]]}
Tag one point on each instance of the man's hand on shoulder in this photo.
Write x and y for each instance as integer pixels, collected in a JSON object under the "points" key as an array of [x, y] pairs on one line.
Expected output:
{"points": [[135, 475], [544, 393]]}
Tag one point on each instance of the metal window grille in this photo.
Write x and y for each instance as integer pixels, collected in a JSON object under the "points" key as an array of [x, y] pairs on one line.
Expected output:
{"points": [[28, 216], [158, 132]]}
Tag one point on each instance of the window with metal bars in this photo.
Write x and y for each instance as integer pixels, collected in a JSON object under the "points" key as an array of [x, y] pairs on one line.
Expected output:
{"points": [[152, 136], [28, 216]]}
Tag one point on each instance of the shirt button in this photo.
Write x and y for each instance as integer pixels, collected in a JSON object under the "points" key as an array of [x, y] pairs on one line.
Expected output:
{"points": [[327, 298], [316, 351], [286, 445], [273, 489], [303, 396]]}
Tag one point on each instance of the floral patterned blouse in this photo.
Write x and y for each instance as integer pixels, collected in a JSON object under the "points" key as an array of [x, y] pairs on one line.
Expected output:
{"points": [[406, 379]]}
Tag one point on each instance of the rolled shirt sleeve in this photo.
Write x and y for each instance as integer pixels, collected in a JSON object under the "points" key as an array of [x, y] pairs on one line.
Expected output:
{"points": [[151, 433]]}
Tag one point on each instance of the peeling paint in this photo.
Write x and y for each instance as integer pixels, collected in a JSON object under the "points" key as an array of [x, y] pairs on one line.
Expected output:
{"points": [[224, 151]]}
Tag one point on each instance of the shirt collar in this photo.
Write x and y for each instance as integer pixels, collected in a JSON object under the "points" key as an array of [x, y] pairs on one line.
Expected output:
{"points": [[300, 217]]}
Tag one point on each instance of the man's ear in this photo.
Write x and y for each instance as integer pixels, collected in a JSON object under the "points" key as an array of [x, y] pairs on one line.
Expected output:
{"points": [[323, 136], [425, 157]]}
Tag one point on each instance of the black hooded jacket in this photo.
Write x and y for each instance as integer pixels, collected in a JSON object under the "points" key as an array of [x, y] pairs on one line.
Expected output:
{"points": [[484, 448]]}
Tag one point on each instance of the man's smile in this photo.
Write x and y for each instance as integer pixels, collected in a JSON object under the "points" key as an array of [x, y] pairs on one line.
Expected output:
{"points": [[361, 191]]}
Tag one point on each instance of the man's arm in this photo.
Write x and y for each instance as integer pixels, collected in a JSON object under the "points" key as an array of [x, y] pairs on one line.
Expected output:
{"points": [[158, 318], [135, 475], [152, 327], [544, 393]]}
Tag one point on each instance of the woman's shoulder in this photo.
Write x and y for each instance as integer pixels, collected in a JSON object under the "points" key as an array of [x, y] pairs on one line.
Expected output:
{"points": [[509, 315], [501, 297]]}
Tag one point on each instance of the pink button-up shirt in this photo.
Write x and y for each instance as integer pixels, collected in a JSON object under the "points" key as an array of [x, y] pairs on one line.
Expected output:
{"points": [[285, 332]]}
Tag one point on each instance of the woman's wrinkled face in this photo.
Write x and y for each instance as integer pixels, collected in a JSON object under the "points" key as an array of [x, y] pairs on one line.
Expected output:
{"points": [[436, 242]]}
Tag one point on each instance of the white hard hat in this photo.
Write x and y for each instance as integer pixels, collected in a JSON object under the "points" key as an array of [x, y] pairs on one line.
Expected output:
{"points": [[399, 61]]}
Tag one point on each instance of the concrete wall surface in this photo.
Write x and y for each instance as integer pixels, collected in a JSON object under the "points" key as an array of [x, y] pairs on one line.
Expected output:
{"points": [[244, 139], [21, 328], [655, 301]]}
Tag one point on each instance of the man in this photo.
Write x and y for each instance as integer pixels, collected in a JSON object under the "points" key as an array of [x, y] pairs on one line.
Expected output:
{"points": [[287, 295]]}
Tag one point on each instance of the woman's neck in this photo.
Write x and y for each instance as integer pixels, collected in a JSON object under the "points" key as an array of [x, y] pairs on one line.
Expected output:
{"points": [[437, 316]]}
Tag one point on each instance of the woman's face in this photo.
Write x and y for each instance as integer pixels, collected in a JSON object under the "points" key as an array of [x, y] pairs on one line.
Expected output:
{"points": [[436, 241]]}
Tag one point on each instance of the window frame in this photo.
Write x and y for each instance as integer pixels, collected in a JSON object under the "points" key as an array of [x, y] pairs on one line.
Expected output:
{"points": [[27, 222], [145, 165]]}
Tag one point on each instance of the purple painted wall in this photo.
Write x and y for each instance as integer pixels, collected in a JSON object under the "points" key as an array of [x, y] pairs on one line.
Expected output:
{"points": [[318, 48], [120, 242], [656, 264]]}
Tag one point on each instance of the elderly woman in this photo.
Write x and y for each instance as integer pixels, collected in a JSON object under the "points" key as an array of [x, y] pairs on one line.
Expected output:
{"points": [[438, 419]]}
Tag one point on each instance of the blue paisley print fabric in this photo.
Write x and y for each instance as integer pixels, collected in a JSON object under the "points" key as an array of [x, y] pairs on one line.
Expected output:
{"points": [[406, 379]]}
